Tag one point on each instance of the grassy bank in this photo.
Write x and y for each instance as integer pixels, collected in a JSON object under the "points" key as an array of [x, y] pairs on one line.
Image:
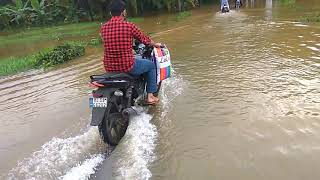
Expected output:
{"points": [[315, 17], [13, 65], [42, 59], [183, 15], [33, 35], [135, 20], [49, 56]]}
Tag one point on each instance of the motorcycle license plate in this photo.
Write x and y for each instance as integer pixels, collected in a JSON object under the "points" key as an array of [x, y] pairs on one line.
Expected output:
{"points": [[98, 102]]}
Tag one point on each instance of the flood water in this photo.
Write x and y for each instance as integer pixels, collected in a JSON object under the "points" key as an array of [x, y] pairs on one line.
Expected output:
{"points": [[243, 103]]}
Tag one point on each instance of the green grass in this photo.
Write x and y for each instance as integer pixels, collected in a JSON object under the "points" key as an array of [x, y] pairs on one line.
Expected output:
{"points": [[310, 18], [44, 58], [13, 65], [287, 2], [183, 15], [50, 33], [95, 42], [135, 19], [36, 34]]}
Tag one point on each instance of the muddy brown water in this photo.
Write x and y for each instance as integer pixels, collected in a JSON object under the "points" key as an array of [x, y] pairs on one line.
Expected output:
{"points": [[243, 103]]}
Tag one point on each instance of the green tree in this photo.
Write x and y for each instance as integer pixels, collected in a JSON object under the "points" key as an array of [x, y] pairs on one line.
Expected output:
{"points": [[18, 13]]}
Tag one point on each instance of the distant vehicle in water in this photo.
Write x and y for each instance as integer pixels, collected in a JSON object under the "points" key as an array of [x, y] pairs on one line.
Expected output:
{"points": [[224, 6], [238, 4]]}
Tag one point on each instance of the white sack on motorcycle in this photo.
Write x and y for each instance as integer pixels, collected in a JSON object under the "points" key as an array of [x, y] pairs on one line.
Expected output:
{"points": [[161, 58]]}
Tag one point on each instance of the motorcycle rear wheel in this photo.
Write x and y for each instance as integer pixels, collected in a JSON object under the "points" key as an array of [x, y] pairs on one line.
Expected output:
{"points": [[113, 126]]}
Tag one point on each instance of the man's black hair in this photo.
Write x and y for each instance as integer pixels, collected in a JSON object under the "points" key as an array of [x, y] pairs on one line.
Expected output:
{"points": [[117, 7]]}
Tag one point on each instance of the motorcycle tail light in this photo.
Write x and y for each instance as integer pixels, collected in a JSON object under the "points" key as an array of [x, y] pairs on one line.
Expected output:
{"points": [[94, 84]]}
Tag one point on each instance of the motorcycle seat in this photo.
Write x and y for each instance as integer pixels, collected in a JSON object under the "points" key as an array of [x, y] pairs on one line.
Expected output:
{"points": [[113, 76]]}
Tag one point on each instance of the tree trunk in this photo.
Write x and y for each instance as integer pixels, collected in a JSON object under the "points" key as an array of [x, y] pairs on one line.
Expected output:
{"points": [[179, 6], [168, 4], [105, 9], [133, 7], [89, 10], [141, 9]]}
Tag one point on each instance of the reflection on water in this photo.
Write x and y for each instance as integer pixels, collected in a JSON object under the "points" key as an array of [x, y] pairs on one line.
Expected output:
{"points": [[268, 9], [268, 4], [244, 103]]}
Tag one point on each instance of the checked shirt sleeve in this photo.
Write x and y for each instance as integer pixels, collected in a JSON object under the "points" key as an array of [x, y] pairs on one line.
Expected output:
{"points": [[138, 34]]}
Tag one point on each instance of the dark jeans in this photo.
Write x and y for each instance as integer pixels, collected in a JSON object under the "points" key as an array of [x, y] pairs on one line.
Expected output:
{"points": [[148, 69]]}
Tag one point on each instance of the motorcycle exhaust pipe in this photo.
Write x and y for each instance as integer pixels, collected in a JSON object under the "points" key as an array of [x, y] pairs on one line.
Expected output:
{"points": [[132, 111]]}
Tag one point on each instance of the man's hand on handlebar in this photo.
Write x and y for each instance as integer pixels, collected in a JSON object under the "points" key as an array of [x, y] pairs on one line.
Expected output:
{"points": [[157, 45]]}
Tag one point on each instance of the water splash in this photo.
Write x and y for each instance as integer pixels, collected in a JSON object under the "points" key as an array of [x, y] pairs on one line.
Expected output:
{"points": [[84, 170], [171, 88], [137, 149], [58, 156]]}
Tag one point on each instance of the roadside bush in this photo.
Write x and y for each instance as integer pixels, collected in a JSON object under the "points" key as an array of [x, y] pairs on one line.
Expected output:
{"points": [[60, 54]]}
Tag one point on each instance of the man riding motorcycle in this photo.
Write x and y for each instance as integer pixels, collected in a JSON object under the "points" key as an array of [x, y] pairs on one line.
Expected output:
{"points": [[224, 6], [238, 4], [118, 35]]}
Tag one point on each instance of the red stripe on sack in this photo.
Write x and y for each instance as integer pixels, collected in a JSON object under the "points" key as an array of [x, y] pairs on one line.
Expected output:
{"points": [[163, 74], [159, 52]]}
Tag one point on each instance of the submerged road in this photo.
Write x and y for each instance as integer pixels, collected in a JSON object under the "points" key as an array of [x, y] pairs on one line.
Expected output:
{"points": [[243, 103]]}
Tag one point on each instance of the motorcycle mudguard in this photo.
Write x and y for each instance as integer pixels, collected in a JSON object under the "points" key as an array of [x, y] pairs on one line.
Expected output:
{"points": [[99, 112]]}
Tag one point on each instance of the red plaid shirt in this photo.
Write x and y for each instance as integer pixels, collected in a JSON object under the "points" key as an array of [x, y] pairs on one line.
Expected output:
{"points": [[118, 35]]}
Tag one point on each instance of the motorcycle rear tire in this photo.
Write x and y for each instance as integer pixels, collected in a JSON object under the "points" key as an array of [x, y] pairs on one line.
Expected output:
{"points": [[113, 126]]}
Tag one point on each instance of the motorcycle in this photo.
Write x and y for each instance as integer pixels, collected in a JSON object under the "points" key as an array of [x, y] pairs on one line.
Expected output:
{"points": [[225, 9], [238, 4], [116, 99]]}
